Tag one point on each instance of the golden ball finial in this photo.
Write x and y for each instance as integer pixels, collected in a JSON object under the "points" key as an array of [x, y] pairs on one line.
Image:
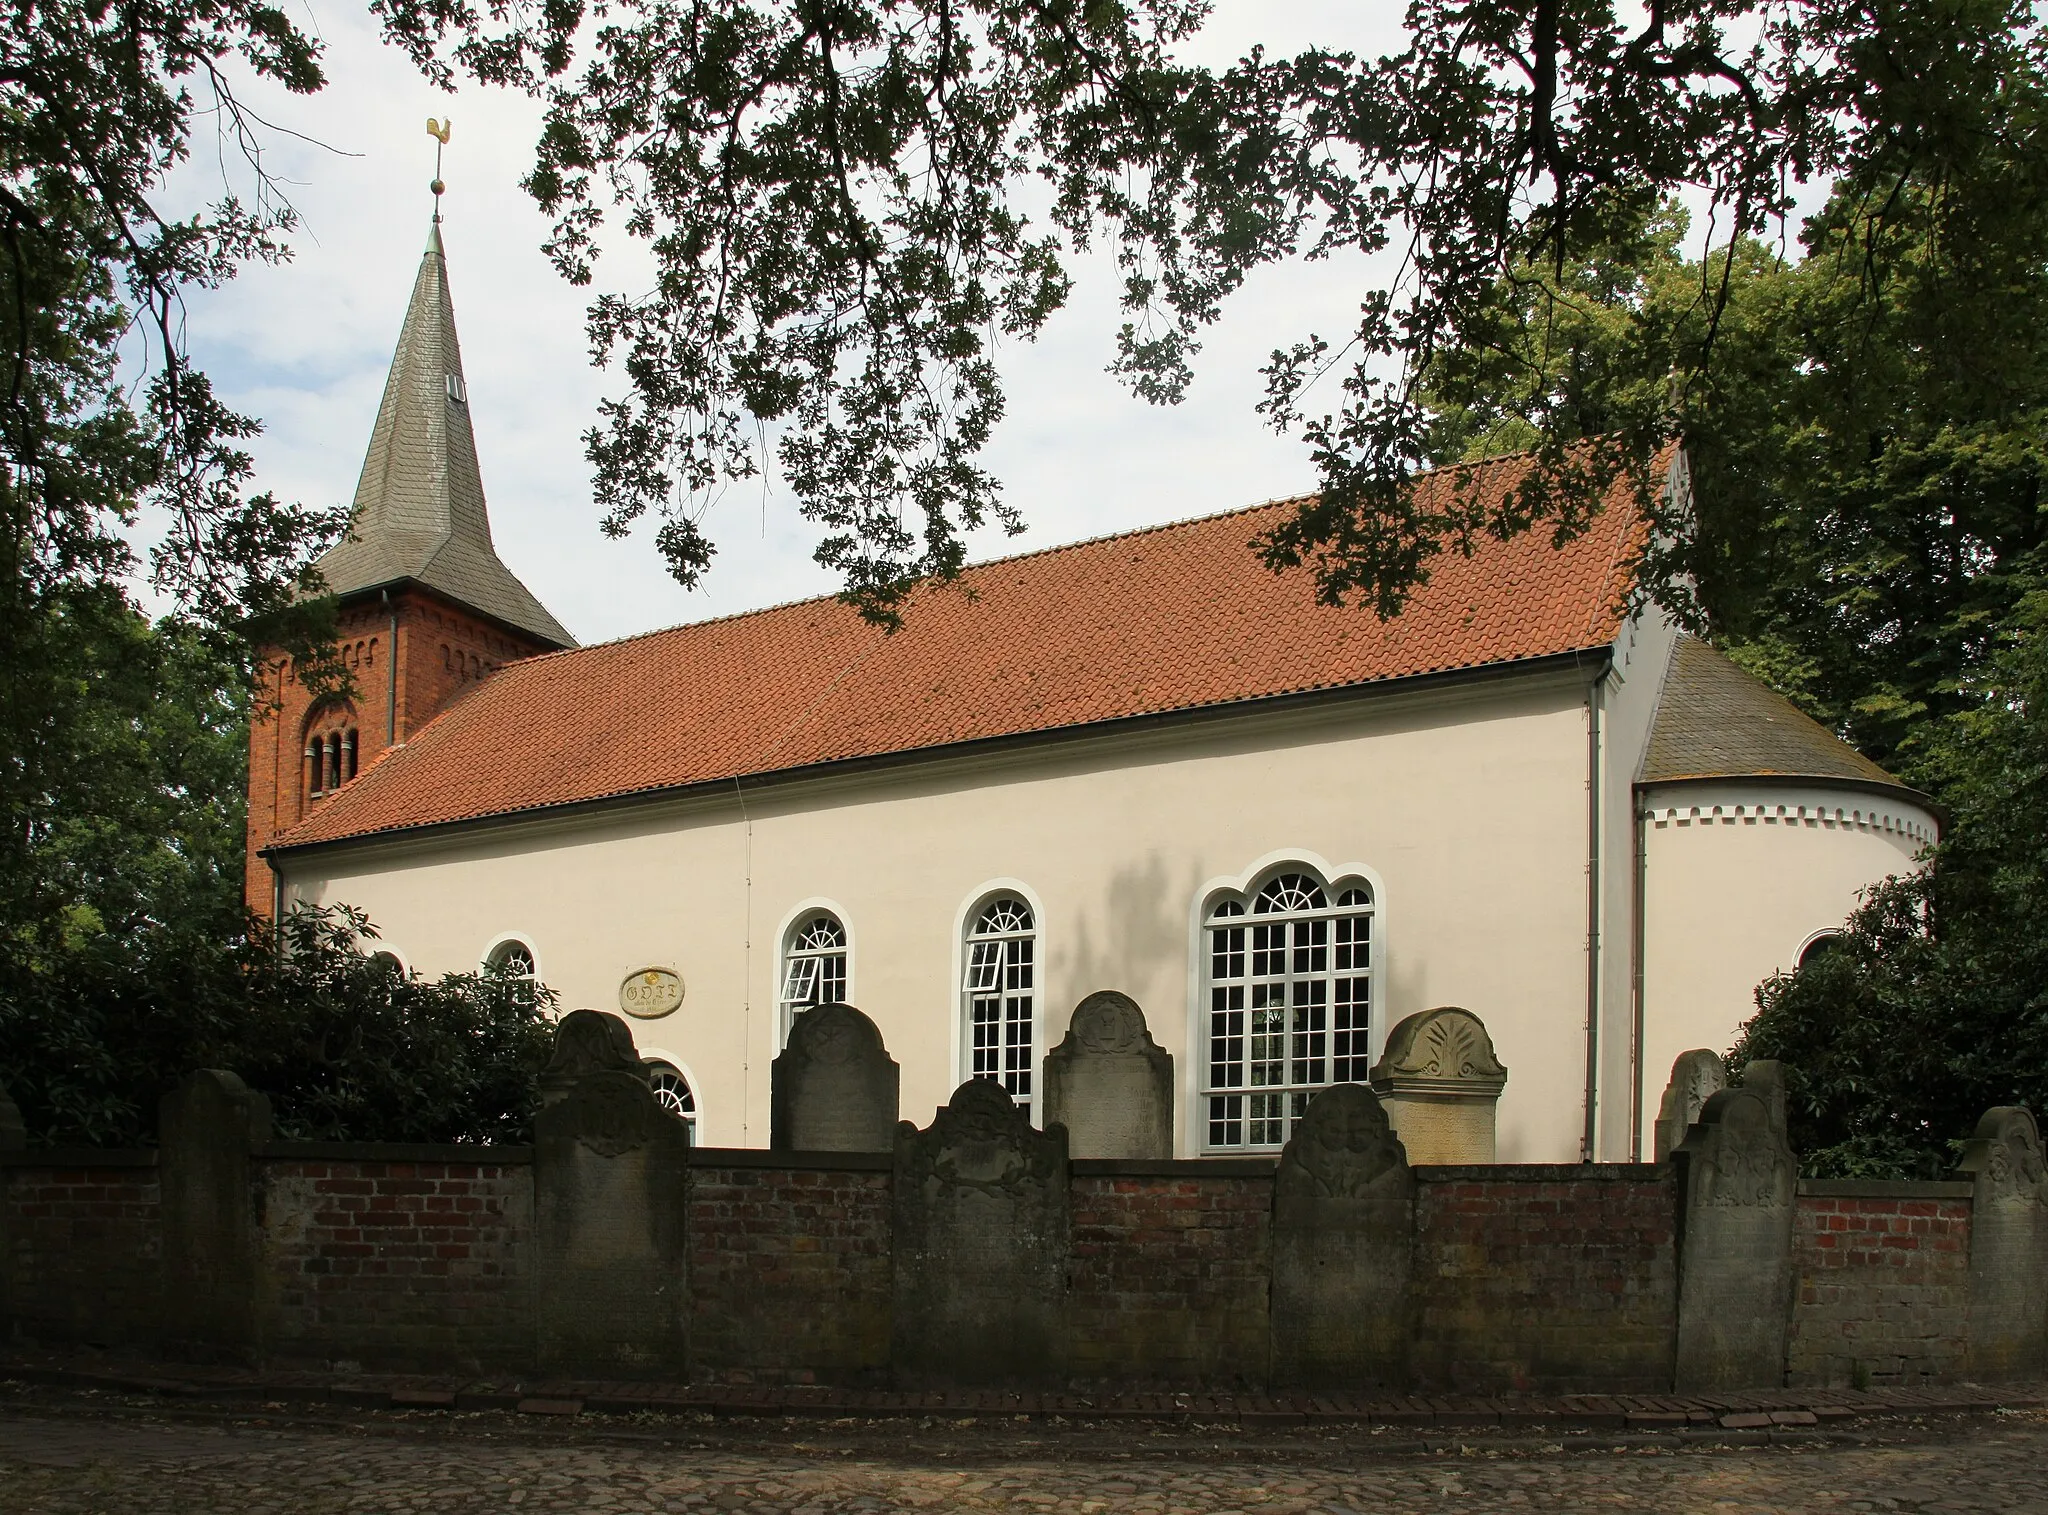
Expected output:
{"points": [[437, 186]]}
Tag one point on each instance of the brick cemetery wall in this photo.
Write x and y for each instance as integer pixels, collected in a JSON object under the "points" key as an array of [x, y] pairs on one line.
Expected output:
{"points": [[1537, 1277], [82, 1237], [1168, 1280], [789, 1271], [400, 1254], [979, 1254], [1882, 1284]]}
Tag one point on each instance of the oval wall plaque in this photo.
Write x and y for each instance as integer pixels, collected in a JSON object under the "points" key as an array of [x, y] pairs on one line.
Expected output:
{"points": [[651, 992]]}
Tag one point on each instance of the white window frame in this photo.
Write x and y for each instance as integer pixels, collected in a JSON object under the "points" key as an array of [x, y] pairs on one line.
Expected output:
{"points": [[963, 1016], [1244, 887], [785, 935], [505, 939], [695, 1119]]}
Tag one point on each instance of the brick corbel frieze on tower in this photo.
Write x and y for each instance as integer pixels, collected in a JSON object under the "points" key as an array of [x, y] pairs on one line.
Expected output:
{"points": [[425, 607]]}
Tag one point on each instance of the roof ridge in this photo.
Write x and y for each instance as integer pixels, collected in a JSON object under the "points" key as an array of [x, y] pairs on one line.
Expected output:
{"points": [[1015, 557], [935, 584]]}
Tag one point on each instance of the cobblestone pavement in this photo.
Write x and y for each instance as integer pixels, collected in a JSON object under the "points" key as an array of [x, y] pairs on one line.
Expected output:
{"points": [[145, 1465]]}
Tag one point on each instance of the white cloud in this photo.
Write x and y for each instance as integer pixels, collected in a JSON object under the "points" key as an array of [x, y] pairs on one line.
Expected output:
{"points": [[305, 347]]}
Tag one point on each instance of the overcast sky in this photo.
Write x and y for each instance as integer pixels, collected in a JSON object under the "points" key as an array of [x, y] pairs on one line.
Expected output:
{"points": [[305, 347]]}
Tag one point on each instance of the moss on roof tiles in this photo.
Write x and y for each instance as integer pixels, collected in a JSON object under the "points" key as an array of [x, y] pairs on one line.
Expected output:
{"points": [[1716, 721]]}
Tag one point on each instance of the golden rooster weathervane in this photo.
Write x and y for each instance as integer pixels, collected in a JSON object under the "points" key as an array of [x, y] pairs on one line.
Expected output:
{"points": [[439, 131]]}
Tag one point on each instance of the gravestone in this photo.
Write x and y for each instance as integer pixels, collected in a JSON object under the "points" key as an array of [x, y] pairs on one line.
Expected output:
{"points": [[1738, 1186], [13, 1139], [609, 1173], [1439, 1082], [587, 1042], [834, 1088], [979, 1244], [1109, 1083], [1343, 1217], [216, 1290], [13, 1134], [1765, 1077], [1696, 1077], [2008, 1318]]}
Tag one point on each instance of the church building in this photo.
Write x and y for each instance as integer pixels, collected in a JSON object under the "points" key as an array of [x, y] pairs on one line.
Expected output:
{"points": [[1142, 763]]}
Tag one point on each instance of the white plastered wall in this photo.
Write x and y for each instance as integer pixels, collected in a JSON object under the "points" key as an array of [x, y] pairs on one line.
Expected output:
{"points": [[1739, 876], [1469, 806]]}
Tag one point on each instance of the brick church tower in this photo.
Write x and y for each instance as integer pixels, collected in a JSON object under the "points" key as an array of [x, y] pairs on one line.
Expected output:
{"points": [[425, 606]]}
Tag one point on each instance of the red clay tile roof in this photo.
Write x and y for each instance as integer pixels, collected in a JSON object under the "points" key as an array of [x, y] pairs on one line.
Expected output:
{"points": [[1169, 618]]}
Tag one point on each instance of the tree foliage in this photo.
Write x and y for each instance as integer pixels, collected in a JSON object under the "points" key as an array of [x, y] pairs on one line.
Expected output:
{"points": [[127, 959], [850, 203], [1933, 1005], [348, 1046]]}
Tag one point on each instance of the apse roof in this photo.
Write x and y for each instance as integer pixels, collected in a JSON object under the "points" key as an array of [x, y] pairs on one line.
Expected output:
{"points": [[1172, 618], [419, 510], [1716, 721]]}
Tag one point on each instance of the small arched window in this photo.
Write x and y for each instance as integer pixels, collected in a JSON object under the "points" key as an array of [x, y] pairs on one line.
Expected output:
{"points": [[672, 1093], [349, 753], [316, 768], [1289, 1004], [512, 961], [1823, 946], [1000, 994], [813, 965]]}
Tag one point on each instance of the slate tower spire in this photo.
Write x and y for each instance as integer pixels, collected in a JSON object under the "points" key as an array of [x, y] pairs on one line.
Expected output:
{"points": [[419, 510], [425, 605]]}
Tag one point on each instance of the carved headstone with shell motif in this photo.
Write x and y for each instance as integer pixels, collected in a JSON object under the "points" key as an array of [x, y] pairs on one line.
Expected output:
{"points": [[1440, 1082]]}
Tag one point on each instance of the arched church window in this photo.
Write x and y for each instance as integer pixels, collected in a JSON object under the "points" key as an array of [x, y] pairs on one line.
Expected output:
{"points": [[1288, 989], [334, 760], [1001, 994], [672, 1093], [316, 768], [813, 965], [1821, 947], [512, 962], [349, 753]]}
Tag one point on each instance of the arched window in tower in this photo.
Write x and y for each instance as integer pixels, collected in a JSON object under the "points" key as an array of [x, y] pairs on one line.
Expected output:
{"points": [[1000, 994], [316, 768], [813, 965], [672, 1093], [348, 753], [334, 760], [511, 962], [1289, 1004]]}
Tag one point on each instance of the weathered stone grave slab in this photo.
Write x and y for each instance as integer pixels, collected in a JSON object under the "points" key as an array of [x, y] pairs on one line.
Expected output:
{"points": [[980, 1238], [1109, 1083], [609, 1195], [2008, 1318], [216, 1290], [1440, 1083], [1738, 1183], [835, 1087], [1696, 1077], [1343, 1217]]}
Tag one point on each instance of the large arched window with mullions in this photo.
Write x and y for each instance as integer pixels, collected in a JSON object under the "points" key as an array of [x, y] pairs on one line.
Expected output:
{"points": [[999, 994], [511, 961], [813, 965], [1287, 1002]]}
